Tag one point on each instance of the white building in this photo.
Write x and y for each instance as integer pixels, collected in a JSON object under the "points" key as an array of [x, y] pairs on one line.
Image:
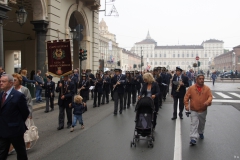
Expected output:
{"points": [[178, 55]]}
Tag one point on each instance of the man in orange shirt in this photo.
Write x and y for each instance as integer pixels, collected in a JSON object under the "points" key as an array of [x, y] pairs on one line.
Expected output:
{"points": [[200, 97]]}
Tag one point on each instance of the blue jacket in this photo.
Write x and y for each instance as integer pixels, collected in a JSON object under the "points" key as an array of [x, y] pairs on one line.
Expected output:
{"points": [[77, 108], [13, 115], [25, 81]]}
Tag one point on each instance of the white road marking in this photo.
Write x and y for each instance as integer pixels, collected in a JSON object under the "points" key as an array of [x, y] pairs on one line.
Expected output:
{"points": [[235, 94], [226, 100], [222, 95], [213, 97], [178, 140]]}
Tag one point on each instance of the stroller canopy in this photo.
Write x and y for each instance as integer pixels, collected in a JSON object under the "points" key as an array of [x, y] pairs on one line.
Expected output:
{"points": [[146, 103]]}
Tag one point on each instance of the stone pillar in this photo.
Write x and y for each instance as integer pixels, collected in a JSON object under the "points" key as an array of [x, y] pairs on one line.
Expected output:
{"points": [[3, 11], [40, 27]]}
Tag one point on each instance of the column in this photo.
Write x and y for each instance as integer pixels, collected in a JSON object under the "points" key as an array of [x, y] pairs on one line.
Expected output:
{"points": [[3, 11], [40, 27]]}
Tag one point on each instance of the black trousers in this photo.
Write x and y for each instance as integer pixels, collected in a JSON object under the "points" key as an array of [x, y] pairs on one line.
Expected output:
{"points": [[164, 92], [134, 96], [85, 101], [181, 107], [105, 96], [118, 96], [61, 116], [160, 99], [97, 96], [18, 144], [127, 98]]}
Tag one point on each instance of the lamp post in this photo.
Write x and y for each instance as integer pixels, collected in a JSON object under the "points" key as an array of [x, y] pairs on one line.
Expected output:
{"points": [[233, 60], [141, 60]]}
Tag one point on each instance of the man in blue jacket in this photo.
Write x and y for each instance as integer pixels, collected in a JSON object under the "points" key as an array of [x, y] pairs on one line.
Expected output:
{"points": [[13, 114]]}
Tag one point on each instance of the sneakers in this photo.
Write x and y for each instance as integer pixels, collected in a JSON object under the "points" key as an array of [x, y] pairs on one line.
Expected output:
{"points": [[82, 127], [193, 142], [201, 136], [72, 129]]}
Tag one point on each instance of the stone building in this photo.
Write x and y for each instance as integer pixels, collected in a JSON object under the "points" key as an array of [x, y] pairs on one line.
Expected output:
{"points": [[48, 20], [177, 55], [228, 61], [108, 47]]}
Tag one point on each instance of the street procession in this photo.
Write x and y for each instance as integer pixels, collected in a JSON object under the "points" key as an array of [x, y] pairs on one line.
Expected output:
{"points": [[78, 84]]}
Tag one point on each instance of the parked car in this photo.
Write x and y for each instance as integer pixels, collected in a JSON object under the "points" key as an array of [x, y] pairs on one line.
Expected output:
{"points": [[227, 75]]}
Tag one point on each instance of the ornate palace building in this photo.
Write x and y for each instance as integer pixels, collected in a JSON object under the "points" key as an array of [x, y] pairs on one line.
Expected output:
{"points": [[178, 55]]}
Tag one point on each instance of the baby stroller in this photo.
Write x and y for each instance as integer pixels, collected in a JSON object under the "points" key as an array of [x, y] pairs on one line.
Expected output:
{"points": [[143, 122]]}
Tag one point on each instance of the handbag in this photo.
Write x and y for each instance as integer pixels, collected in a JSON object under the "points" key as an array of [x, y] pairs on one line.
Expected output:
{"points": [[32, 133]]}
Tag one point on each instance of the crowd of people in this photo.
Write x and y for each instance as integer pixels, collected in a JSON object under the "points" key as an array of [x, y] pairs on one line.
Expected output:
{"points": [[75, 90]]}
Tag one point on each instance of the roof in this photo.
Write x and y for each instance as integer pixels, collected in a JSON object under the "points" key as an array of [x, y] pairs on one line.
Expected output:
{"points": [[237, 46], [213, 41], [130, 53], [148, 40], [180, 47]]}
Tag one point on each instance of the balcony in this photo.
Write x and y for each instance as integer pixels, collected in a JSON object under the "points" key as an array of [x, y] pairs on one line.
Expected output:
{"points": [[93, 4]]}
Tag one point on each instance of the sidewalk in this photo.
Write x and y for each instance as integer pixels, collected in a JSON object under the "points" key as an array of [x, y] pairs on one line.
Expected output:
{"points": [[42, 105]]}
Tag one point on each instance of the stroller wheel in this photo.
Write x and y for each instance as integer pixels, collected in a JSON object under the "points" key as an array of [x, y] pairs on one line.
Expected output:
{"points": [[153, 138], [131, 144], [135, 145]]}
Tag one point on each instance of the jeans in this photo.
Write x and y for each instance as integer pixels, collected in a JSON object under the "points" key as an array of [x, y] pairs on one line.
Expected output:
{"points": [[190, 82], [38, 94], [75, 118], [198, 121]]}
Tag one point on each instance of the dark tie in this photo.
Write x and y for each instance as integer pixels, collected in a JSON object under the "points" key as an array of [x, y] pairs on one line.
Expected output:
{"points": [[3, 98]]}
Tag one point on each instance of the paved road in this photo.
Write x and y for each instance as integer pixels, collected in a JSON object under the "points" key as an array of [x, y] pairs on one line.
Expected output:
{"points": [[108, 137]]}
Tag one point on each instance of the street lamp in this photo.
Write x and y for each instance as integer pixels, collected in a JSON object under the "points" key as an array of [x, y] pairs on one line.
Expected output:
{"points": [[73, 34], [21, 15], [233, 60]]}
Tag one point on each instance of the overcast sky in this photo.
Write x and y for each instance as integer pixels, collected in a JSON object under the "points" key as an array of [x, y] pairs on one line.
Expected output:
{"points": [[173, 22]]}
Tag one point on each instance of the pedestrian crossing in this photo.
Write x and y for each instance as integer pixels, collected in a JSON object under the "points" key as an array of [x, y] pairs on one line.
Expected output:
{"points": [[230, 97], [226, 95]]}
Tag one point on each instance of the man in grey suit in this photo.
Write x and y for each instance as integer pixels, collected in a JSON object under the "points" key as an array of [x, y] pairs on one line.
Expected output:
{"points": [[39, 85]]}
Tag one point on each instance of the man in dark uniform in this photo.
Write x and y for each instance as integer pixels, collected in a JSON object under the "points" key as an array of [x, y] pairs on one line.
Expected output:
{"points": [[65, 88], [134, 87], [49, 93], [118, 90], [139, 82], [128, 90], [106, 88], [91, 79], [164, 82], [83, 87], [179, 85], [158, 79]]}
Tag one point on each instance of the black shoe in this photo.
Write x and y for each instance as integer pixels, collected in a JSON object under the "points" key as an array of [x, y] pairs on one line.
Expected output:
{"points": [[174, 118], [52, 109], [114, 114], [128, 106], [181, 117], [59, 128], [102, 103], [98, 105], [120, 112], [94, 105], [124, 107], [107, 102], [46, 111]]}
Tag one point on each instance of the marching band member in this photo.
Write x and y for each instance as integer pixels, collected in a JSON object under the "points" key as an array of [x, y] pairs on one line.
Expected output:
{"points": [[65, 88], [158, 79], [91, 79], [134, 87], [178, 92], [106, 88], [83, 87], [118, 82], [128, 90], [98, 90]]}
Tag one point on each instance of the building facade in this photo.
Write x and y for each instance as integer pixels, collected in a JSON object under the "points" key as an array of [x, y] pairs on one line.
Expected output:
{"points": [[108, 47], [48, 20], [178, 55], [133, 61], [228, 61]]}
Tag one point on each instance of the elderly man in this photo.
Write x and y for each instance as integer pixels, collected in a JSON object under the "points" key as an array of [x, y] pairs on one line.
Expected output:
{"points": [[196, 101], [13, 114]]}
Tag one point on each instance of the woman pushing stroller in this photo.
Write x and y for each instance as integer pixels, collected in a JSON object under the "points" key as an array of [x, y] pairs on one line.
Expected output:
{"points": [[151, 89]]}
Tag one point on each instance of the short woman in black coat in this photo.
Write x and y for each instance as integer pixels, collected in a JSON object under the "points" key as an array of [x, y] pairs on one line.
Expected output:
{"points": [[150, 84]]}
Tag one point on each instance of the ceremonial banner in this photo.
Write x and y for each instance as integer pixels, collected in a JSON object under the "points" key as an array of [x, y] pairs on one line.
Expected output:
{"points": [[59, 57]]}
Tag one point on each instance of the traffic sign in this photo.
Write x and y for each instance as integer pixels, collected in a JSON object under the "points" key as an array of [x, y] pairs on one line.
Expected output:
{"points": [[197, 58]]}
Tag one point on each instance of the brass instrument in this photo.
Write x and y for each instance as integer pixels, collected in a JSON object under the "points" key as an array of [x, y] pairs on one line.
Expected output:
{"points": [[179, 85], [117, 83]]}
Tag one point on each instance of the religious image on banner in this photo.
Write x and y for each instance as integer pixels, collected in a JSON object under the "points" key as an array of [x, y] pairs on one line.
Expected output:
{"points": [[59, 57]]}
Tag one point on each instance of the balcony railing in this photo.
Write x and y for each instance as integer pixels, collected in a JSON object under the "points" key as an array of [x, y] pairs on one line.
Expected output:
{"points": [[93, 4]]}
